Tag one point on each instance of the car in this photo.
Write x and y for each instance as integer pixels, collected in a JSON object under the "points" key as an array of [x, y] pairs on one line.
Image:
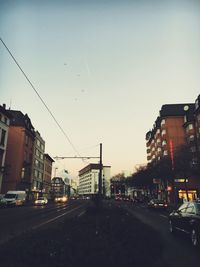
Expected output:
{"points": [[187, 220], [40, 201], [157, 204], [61, 199]]}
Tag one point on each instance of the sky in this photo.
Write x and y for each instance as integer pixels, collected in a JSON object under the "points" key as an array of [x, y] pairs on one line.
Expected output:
{"points": [[104, 68]]}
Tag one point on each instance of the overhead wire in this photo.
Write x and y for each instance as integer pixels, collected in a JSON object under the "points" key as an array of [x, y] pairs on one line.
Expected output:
{"points": [[41, 99]]}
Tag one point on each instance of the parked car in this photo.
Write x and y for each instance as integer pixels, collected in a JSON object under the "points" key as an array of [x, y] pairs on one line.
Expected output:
{"points": [[15, 198], [157, 204], [40, 201], [187, 220]]}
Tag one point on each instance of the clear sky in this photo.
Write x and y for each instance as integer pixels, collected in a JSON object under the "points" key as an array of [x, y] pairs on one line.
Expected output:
{"points": [[103, 67]]}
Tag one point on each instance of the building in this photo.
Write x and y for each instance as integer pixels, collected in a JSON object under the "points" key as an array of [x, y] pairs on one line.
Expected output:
{"points": [[59, 187], [89, 180], [48, 161], [168, 131], [19, 155], [4, 128], [197, 128], [38, 165], [177, 126]]}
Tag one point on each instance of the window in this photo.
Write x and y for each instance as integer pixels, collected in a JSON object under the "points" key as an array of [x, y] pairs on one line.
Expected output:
{"points": [[165, 153], [163, 122], [193, 149], [163, 132], [22, 173], [190, 126], [190, 209], [164, 142], [182, 208], [3, 137], [26, 140]]}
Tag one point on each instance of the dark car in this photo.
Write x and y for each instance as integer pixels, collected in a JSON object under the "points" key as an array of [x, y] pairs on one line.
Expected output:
{"points": [[187, 219], [157, 204]]}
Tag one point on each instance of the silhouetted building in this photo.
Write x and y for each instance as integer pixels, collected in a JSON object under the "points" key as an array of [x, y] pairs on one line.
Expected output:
{"points": [[4, 128], [19, 154]]}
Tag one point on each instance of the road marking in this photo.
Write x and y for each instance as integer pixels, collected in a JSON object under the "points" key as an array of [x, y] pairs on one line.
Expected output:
{"points": [[164, 216], [81, 214], [55, 218]]}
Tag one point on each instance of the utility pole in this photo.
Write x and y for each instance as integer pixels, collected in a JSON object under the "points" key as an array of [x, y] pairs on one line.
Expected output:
{"points": [[100, 171]]}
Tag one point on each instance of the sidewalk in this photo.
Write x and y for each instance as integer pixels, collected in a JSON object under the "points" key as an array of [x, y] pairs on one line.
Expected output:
{"points": [[103, 237]]}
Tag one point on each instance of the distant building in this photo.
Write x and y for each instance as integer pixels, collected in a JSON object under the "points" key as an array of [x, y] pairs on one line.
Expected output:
{"points": [[19, 156], [48, 161], [89, 180], [59, 187], [4, 128], [38, 165]]}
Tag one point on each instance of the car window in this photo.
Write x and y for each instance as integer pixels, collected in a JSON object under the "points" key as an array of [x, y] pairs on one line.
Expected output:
{"points": [[182, 208], [190, 208]]}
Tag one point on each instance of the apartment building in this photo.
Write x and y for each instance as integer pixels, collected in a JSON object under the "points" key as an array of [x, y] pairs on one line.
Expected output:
{"points": [[168, 132], [38, 165], [4, 128], [89, 180], [19, 155], [177, 125]]}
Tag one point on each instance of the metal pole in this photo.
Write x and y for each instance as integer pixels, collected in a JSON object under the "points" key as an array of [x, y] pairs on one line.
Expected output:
{"points": [[100, 171]]}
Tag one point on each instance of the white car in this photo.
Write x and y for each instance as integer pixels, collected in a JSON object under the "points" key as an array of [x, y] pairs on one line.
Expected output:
{"points": [[41, 201]]}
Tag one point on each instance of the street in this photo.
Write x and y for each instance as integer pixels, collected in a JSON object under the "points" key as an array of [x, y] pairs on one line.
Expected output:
{"points": [[126, 230], [15, 221], [177, 249]]}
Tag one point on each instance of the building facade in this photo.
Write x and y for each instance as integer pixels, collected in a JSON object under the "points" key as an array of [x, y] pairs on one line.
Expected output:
{"points": [[48, 161], [89, 180], [4, 128], [168, 132], [177, 127], [19, 155], [59, 188], [38, 165]]}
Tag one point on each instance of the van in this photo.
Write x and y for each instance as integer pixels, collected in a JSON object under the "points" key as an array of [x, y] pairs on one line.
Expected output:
{"points": [[15, 198]]}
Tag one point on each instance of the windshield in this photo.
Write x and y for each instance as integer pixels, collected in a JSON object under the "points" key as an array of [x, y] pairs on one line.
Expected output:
{"points": [[10, 196], [40, 198]]}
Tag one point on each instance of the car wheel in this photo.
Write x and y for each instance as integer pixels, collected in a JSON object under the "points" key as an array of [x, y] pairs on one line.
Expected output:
{"points": [[194, 238], [171, 227]]}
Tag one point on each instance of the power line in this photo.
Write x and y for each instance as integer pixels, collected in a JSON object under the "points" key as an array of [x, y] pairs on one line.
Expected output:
{"points": [[43, 102]]}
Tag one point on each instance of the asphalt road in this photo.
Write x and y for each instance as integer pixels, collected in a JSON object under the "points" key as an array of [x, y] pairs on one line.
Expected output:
{"points": [[178, 250], [17, 220]]}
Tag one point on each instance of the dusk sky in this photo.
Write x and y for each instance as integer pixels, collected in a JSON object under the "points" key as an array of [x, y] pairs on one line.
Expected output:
{"points": [[104, 68]]}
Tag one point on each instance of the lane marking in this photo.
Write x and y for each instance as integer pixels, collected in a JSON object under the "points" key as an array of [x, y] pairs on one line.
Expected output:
{"points": [[55, 218], [81, 214], [164, 216]]}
